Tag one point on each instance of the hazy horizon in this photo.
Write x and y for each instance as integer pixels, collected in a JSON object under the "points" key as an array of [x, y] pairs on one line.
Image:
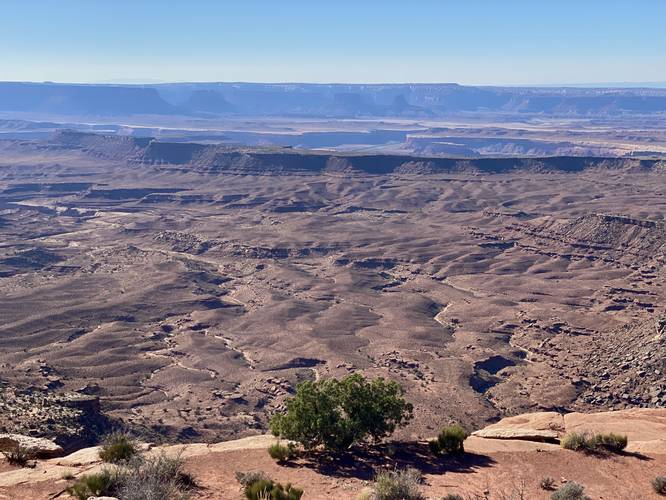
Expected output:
{"points": [[130, 81]]}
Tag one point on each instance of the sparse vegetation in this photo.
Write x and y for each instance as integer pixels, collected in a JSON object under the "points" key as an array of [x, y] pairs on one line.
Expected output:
{"points": [[452, 496], [139, 478], [594, 443], [573, 441], [282, 453], [547, 483], [449, 441], [156, 477], [247, 478], [337, 414], [570, 491], [398, 485], [365, 494], [613, 443], [68, 476], [118, 447], [659, 485], [91, 485], [266, 489], [17, 456]]}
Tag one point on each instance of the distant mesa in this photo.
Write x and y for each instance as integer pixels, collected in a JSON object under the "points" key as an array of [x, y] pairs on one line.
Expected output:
{"points": [[324, 100], [83, 99], [208, 101]]}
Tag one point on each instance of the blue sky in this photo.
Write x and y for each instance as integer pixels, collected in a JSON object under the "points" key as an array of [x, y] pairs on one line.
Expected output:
{"points": [[472, 42]]}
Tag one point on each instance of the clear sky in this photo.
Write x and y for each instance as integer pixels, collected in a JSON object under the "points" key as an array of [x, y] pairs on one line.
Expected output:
{"points": [[466, 41]]}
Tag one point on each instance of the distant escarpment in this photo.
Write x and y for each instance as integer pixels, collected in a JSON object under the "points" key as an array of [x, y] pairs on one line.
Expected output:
{"points": [[326, 100], [218, 158], [68, 99]]}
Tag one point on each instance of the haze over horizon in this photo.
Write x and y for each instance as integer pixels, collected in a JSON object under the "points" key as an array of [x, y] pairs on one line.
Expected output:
{"points": [[518, 44], [139, 81]]}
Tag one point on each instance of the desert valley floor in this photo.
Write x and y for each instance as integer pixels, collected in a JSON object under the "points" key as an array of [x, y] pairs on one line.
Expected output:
{"points": [[193, 298]]}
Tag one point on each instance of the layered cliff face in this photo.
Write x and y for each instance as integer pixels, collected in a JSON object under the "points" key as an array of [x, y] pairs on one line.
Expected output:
{"points": [[275, 161], [627, 240]]}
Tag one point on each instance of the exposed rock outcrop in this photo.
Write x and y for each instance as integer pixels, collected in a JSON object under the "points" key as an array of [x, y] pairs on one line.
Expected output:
{"points": [[540, 426], [644, 427], [33, 446], [70, 420]]}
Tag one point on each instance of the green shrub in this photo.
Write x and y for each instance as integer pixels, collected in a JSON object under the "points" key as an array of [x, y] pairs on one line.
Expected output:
{"points": [[573, 441], [398, 485], [339, 413], [570, 491], [265, 489], [547, 483], [118, 447], [659, 485], [594, 443], [18, 455], [282, 453], [104, 483], [613, 443], [251, 477], [450, 440]]}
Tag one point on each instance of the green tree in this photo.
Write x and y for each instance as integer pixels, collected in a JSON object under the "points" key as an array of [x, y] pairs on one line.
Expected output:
{"points": [[339, 413]]}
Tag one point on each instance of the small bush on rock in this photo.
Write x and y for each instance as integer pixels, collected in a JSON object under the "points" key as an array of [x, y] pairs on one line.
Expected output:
{"points": [[613, 443], [452, 496], [265, 489], [594, 443], [118, 447], [573, 441], [659, 485], [450, 440], [570, 491], [282, 453], [398, 485]]}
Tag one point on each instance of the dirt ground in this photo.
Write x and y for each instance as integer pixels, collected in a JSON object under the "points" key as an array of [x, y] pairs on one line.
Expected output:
{"points": [[492, 475]]}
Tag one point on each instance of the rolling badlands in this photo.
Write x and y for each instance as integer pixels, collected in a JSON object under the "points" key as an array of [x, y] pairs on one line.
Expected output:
{"points": [[192, 287]]}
